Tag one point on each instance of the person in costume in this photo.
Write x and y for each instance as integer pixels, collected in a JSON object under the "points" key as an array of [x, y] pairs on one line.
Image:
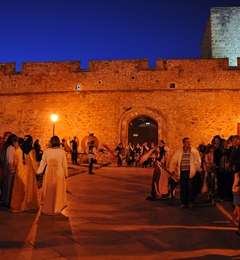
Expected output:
{"points": [[9, 170], [91, 151], [54, 198], [25, 188]]}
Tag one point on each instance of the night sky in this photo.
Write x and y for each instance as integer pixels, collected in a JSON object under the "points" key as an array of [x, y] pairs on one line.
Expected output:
{"points": [[68, 30]]}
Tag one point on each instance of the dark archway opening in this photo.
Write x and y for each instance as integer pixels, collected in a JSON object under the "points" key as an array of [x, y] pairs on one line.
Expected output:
{"points": [[143, 129]]}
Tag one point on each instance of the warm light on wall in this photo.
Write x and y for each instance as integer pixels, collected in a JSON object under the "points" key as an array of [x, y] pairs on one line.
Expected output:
{"points": [[54, 118], [238, 128]]}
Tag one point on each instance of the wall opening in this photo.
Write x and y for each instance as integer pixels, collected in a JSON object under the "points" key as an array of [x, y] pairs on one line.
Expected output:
{"points": [[143, 129], [158, 130]]}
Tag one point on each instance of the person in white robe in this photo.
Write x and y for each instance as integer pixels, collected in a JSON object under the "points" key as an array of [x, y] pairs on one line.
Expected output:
{"points": [[9, 170], [54, 162]]}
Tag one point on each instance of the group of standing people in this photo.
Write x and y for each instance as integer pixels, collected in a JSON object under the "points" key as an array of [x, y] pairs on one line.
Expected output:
{"points": [[21, 163], [133, 153], [220, 164]]}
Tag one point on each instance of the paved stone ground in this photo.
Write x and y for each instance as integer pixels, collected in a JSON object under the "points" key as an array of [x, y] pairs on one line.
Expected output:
{"points": [[108, 218]]}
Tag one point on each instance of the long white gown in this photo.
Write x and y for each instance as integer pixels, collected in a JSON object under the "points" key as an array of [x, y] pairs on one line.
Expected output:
{"points": [[54, 198], [8, 177]]}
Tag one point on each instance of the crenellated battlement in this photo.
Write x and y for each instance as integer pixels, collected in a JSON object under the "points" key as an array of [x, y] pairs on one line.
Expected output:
{"points": [[7, 68], [113, 65], [119, 75], [50, 67]]}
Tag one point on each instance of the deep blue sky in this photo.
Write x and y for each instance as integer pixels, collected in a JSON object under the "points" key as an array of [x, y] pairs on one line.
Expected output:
{"points": [[64, 30]]}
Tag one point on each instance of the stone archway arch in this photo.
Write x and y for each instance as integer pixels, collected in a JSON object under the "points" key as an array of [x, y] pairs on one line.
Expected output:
{"points": [[137, 112]]}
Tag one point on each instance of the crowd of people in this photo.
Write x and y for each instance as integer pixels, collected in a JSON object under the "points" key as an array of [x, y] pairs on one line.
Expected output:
{"points": [[212, 170], [219, 164], [132, 154], [21, 162]]}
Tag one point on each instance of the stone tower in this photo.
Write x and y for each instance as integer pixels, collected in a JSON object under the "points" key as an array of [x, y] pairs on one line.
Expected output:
{"points": [[221, 38]]}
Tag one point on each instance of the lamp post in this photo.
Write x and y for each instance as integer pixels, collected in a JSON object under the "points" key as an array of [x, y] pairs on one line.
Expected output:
{"points": [[54, 118]]}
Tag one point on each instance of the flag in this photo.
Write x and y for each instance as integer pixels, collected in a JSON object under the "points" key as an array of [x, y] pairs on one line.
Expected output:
{"points": [[108, 153], [160, 179], [145, 156], [161, 182]]}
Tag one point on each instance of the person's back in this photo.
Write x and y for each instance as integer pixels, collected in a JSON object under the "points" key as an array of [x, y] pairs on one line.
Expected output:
{"points": [[25, 189], [55, 156], [54, 197], [26, 161]]}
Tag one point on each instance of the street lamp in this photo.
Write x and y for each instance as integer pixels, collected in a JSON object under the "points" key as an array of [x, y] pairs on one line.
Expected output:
{"points": [[54, 118]]}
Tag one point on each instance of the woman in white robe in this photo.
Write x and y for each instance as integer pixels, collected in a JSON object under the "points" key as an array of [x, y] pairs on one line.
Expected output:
{"points": [[9, 170], [54, 198]]}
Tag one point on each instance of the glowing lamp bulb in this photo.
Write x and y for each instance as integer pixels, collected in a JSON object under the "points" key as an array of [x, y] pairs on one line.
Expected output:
{"points": [[54, 117]]}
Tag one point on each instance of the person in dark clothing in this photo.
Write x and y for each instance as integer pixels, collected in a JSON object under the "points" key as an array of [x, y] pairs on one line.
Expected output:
{"points": [[137, 153], [120, 151], [225, 176], [91, 151], [217, 143], [27, 145], [130, 151], [38, 150], [234, 161], [74, 147], [235, 155], [202, 148], [162, 151]]}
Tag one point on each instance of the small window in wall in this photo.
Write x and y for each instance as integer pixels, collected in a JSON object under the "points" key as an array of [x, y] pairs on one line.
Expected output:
{"points": [[172, 85]]}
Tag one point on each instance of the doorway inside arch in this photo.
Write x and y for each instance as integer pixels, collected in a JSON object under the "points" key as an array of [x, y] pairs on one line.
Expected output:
{"points": [[143, 129]]}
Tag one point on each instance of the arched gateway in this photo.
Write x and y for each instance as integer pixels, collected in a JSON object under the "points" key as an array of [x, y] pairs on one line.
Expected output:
{"points": [[143, 129], [133, 113]]}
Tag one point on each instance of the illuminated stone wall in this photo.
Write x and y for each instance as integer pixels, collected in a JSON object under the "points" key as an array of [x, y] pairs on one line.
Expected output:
{"points": [[221, 38], [196, 97]]}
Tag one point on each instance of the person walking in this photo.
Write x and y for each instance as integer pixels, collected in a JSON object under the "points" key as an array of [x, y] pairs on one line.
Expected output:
{"points": [[54, 198], [185, 163], [91, 151]]}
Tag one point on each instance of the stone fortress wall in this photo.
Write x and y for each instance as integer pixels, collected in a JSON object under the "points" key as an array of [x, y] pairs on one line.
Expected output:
{"points": [[198, 98], [221, 38]]}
